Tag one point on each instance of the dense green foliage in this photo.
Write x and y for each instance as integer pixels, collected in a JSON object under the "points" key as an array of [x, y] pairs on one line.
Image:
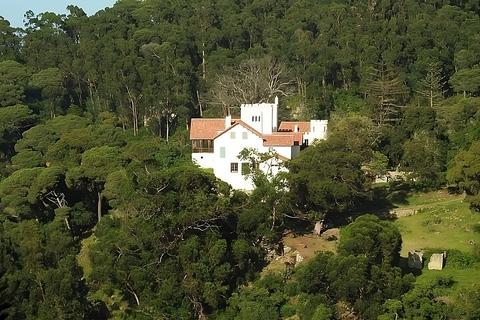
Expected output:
{"points": [[354, 277], [95, 163]]}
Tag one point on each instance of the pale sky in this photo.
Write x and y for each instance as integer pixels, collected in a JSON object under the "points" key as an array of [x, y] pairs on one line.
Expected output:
{"points": [[13, 10]]}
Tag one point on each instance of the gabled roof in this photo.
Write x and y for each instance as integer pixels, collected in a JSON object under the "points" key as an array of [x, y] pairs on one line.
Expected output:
{"points": [[303, 126], [206, 129], [210, 129], [243, 124]]}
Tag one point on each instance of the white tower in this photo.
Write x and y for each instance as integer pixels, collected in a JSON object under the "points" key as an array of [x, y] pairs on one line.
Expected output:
{"points": [[263, 117]]}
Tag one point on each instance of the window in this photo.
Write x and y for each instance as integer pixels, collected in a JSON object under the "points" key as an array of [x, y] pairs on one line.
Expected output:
{"points": [[253, 118], [258, 118], [313, 129], [222, 152], [234, 167], [306, 142], [245, 135], [232, 135]]}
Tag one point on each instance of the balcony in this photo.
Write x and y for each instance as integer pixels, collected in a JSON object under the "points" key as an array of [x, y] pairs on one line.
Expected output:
{"points": [[202, 150], [202, 146]]}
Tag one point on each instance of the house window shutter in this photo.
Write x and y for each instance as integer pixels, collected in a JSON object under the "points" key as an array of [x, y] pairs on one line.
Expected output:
{"points": [[222, 152]]}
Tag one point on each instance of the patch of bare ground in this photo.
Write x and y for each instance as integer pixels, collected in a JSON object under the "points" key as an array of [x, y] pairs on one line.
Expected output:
{"points": [[305, 246]]}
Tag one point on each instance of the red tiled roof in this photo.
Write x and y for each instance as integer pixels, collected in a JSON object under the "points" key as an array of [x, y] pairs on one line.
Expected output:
{"points": [[210, 129], [290, 126], [279, 139], [206, 129]]}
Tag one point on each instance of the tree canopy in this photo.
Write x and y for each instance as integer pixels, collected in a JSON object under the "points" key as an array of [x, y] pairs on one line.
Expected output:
{"points": [[103, 215]]}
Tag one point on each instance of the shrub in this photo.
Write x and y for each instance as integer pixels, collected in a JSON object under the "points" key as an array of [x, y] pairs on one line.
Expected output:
{"points": [[287, 310], [461, 260], [476, 228]]}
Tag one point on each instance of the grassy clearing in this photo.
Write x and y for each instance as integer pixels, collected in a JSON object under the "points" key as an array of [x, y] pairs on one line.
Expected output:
{"points": [[441, 221], [463, 278], [436, 198]]}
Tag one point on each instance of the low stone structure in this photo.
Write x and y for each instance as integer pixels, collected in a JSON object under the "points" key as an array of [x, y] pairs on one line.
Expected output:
{"points": [[436, 261], [298, 258], [318, 228], [415, 260]]}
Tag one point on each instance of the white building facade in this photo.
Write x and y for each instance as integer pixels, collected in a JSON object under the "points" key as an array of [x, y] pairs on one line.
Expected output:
{"points": [[216, 143]]}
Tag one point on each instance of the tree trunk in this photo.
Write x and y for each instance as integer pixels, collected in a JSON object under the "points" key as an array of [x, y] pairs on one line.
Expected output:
{"points": [[274, 217], [133, 107], [130, 289], [167, 128], [99, 205], [199, 104], [134, 117], [204, 69], [40, 285]]}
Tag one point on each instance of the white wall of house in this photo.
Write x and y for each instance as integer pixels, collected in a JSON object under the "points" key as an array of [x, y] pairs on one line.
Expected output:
{"points": [[204, 159], [318, 131], [272, 166], [284, 151], [226, 149]]}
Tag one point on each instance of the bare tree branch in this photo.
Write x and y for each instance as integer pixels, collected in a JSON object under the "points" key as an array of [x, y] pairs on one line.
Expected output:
{"points": [[253, 81]]}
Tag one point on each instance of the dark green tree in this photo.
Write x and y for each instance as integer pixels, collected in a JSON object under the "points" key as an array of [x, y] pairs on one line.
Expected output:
{"points": [[327, 178], [95, 166], [378, 241], [13, 77], [465, 173]]}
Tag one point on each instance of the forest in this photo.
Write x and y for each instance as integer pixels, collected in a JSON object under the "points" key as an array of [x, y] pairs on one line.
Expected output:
{"points": [[103, 215]]}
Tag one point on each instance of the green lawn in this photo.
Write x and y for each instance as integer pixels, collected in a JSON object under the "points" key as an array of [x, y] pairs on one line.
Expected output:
{"points": [[442, 222], [446, 226], [462, 278]]}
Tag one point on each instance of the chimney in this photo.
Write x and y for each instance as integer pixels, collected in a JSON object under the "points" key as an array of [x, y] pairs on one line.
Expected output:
{"points": [[275, 115], [228, 121]]}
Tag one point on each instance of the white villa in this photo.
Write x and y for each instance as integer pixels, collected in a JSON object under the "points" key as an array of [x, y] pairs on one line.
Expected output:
{"points": [[216, 143]]}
